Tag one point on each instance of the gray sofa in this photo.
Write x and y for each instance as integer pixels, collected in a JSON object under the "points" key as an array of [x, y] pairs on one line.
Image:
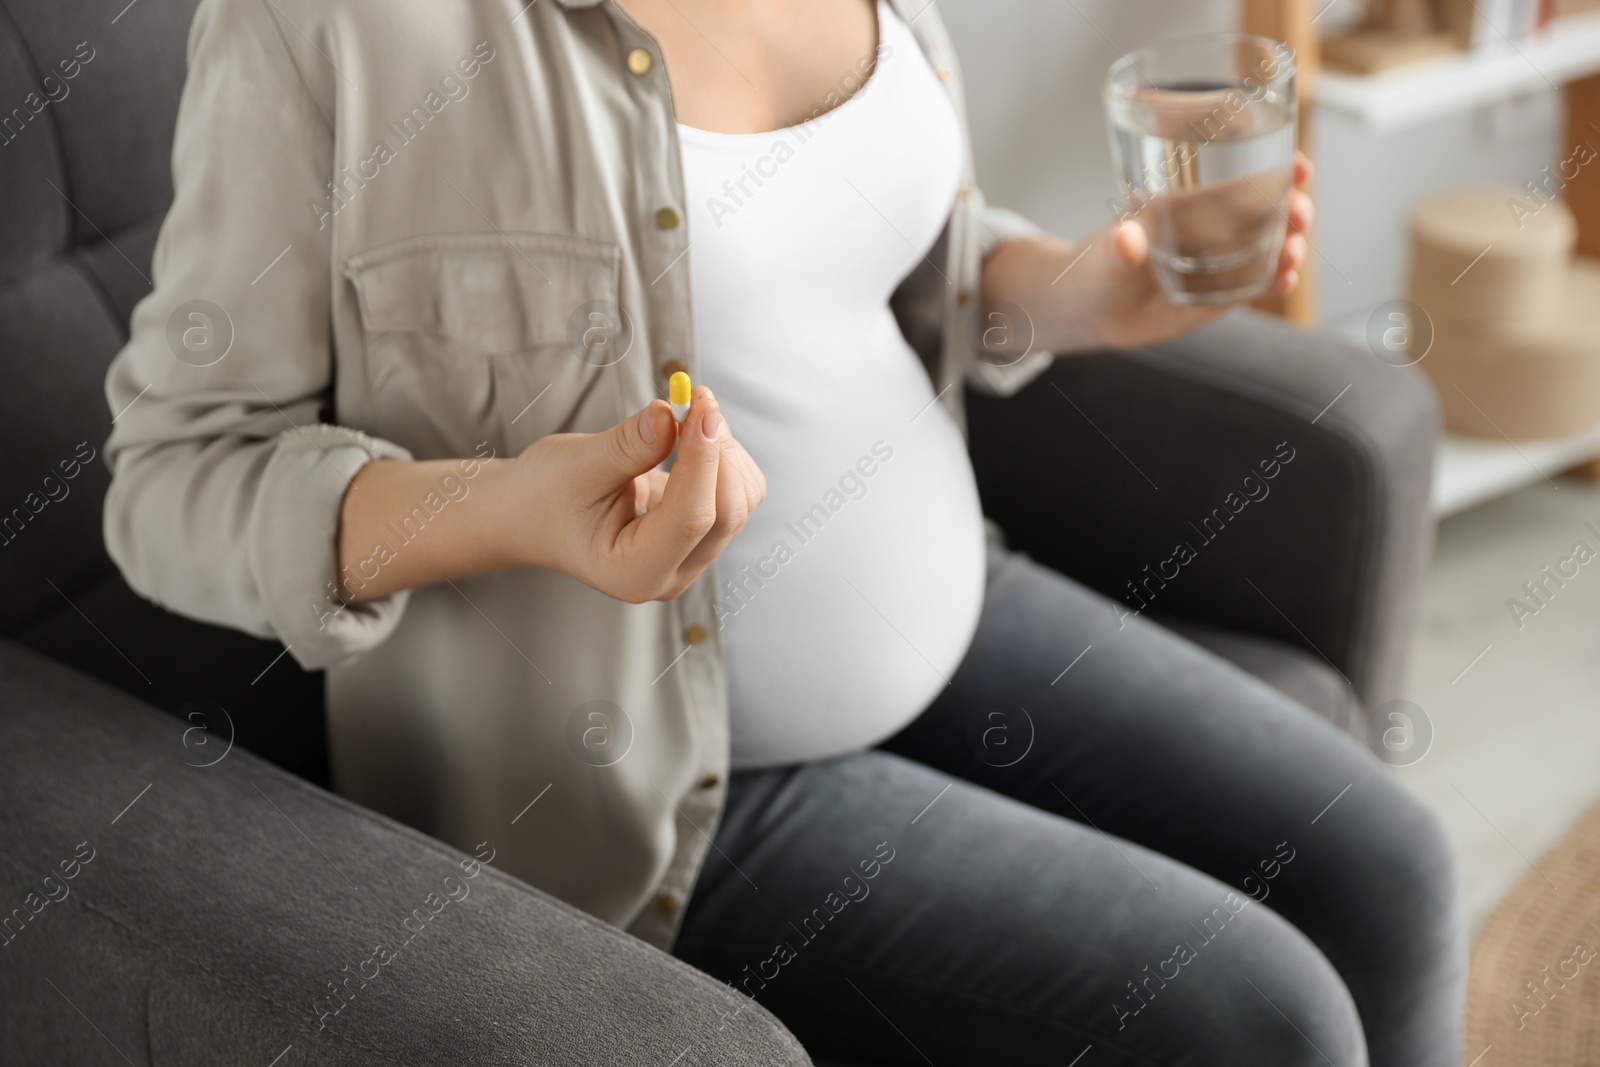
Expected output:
{"points": [[221, 904]]}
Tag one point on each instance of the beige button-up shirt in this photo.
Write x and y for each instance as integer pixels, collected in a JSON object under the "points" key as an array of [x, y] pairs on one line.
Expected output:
{"points": [[442, 229]]}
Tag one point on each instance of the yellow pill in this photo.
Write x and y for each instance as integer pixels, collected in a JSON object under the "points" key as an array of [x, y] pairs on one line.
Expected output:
{"points": [[678, 395], [678, 388]]}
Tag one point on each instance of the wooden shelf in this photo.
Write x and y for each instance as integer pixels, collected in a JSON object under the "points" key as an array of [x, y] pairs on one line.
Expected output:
{"points": [[1569, 48]]}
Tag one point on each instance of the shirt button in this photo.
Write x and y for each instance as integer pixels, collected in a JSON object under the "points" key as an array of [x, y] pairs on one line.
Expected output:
{"points": [[711, 780], [963, 298], [943, 72], [640, 61], [666, 905], [667, 219], [673, 366], [694, 633]]}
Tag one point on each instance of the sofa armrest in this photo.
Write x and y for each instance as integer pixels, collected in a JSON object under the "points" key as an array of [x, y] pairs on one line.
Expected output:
{"points": [[1128, 472], [176, 902]]}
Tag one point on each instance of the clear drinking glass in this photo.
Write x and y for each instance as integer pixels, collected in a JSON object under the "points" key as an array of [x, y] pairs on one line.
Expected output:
{"points": [[1203, 135]]}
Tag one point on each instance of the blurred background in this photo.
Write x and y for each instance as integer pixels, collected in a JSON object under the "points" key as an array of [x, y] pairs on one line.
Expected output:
{"points": [[1413, 104], [1457, 146]]}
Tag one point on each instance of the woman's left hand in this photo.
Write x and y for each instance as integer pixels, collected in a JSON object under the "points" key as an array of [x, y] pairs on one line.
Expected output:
{"points": [[1101, 293]]}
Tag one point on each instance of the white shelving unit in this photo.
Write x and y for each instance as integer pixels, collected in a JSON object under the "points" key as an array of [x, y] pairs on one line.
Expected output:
{"points": [[1569, 48], [1470, 470]]}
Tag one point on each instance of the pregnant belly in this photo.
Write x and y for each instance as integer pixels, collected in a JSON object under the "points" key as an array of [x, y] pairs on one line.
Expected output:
{"points": [[850, 598]]}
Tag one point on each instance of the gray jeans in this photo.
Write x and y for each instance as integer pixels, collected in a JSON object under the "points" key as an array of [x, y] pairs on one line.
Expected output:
{"points": [[1134, 861]]}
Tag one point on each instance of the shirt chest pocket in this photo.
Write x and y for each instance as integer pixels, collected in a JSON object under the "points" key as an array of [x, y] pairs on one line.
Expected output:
{"points": [[486, 339]]}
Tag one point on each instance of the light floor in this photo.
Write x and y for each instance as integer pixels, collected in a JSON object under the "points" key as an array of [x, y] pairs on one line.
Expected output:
{"points": [[1516, 751]]}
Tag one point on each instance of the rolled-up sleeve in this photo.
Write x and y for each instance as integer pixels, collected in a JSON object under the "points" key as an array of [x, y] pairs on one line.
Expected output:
{"points": [[995, 226], [226, 481]]}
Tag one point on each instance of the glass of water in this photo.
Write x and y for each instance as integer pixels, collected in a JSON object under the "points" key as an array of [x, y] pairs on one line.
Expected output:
{"points": [[1203, 137]]}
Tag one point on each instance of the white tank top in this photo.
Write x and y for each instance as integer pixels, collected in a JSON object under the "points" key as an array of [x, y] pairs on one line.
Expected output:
{"points": [[851, 596]]}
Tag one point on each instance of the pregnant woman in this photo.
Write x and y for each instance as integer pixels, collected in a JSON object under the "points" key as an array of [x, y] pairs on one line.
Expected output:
{"points": [[725, 684]]}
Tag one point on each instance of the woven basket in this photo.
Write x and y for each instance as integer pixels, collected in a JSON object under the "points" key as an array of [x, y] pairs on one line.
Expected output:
{"points": [[1533, 992], [1516, 348]]}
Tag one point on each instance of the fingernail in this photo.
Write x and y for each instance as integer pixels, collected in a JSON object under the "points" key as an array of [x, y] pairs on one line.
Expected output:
{"points": [[647, 431], [711, 424]]}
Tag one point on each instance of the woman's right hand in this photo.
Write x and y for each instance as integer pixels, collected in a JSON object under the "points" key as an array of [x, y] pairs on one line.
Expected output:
{"points": [[594, 505]]}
